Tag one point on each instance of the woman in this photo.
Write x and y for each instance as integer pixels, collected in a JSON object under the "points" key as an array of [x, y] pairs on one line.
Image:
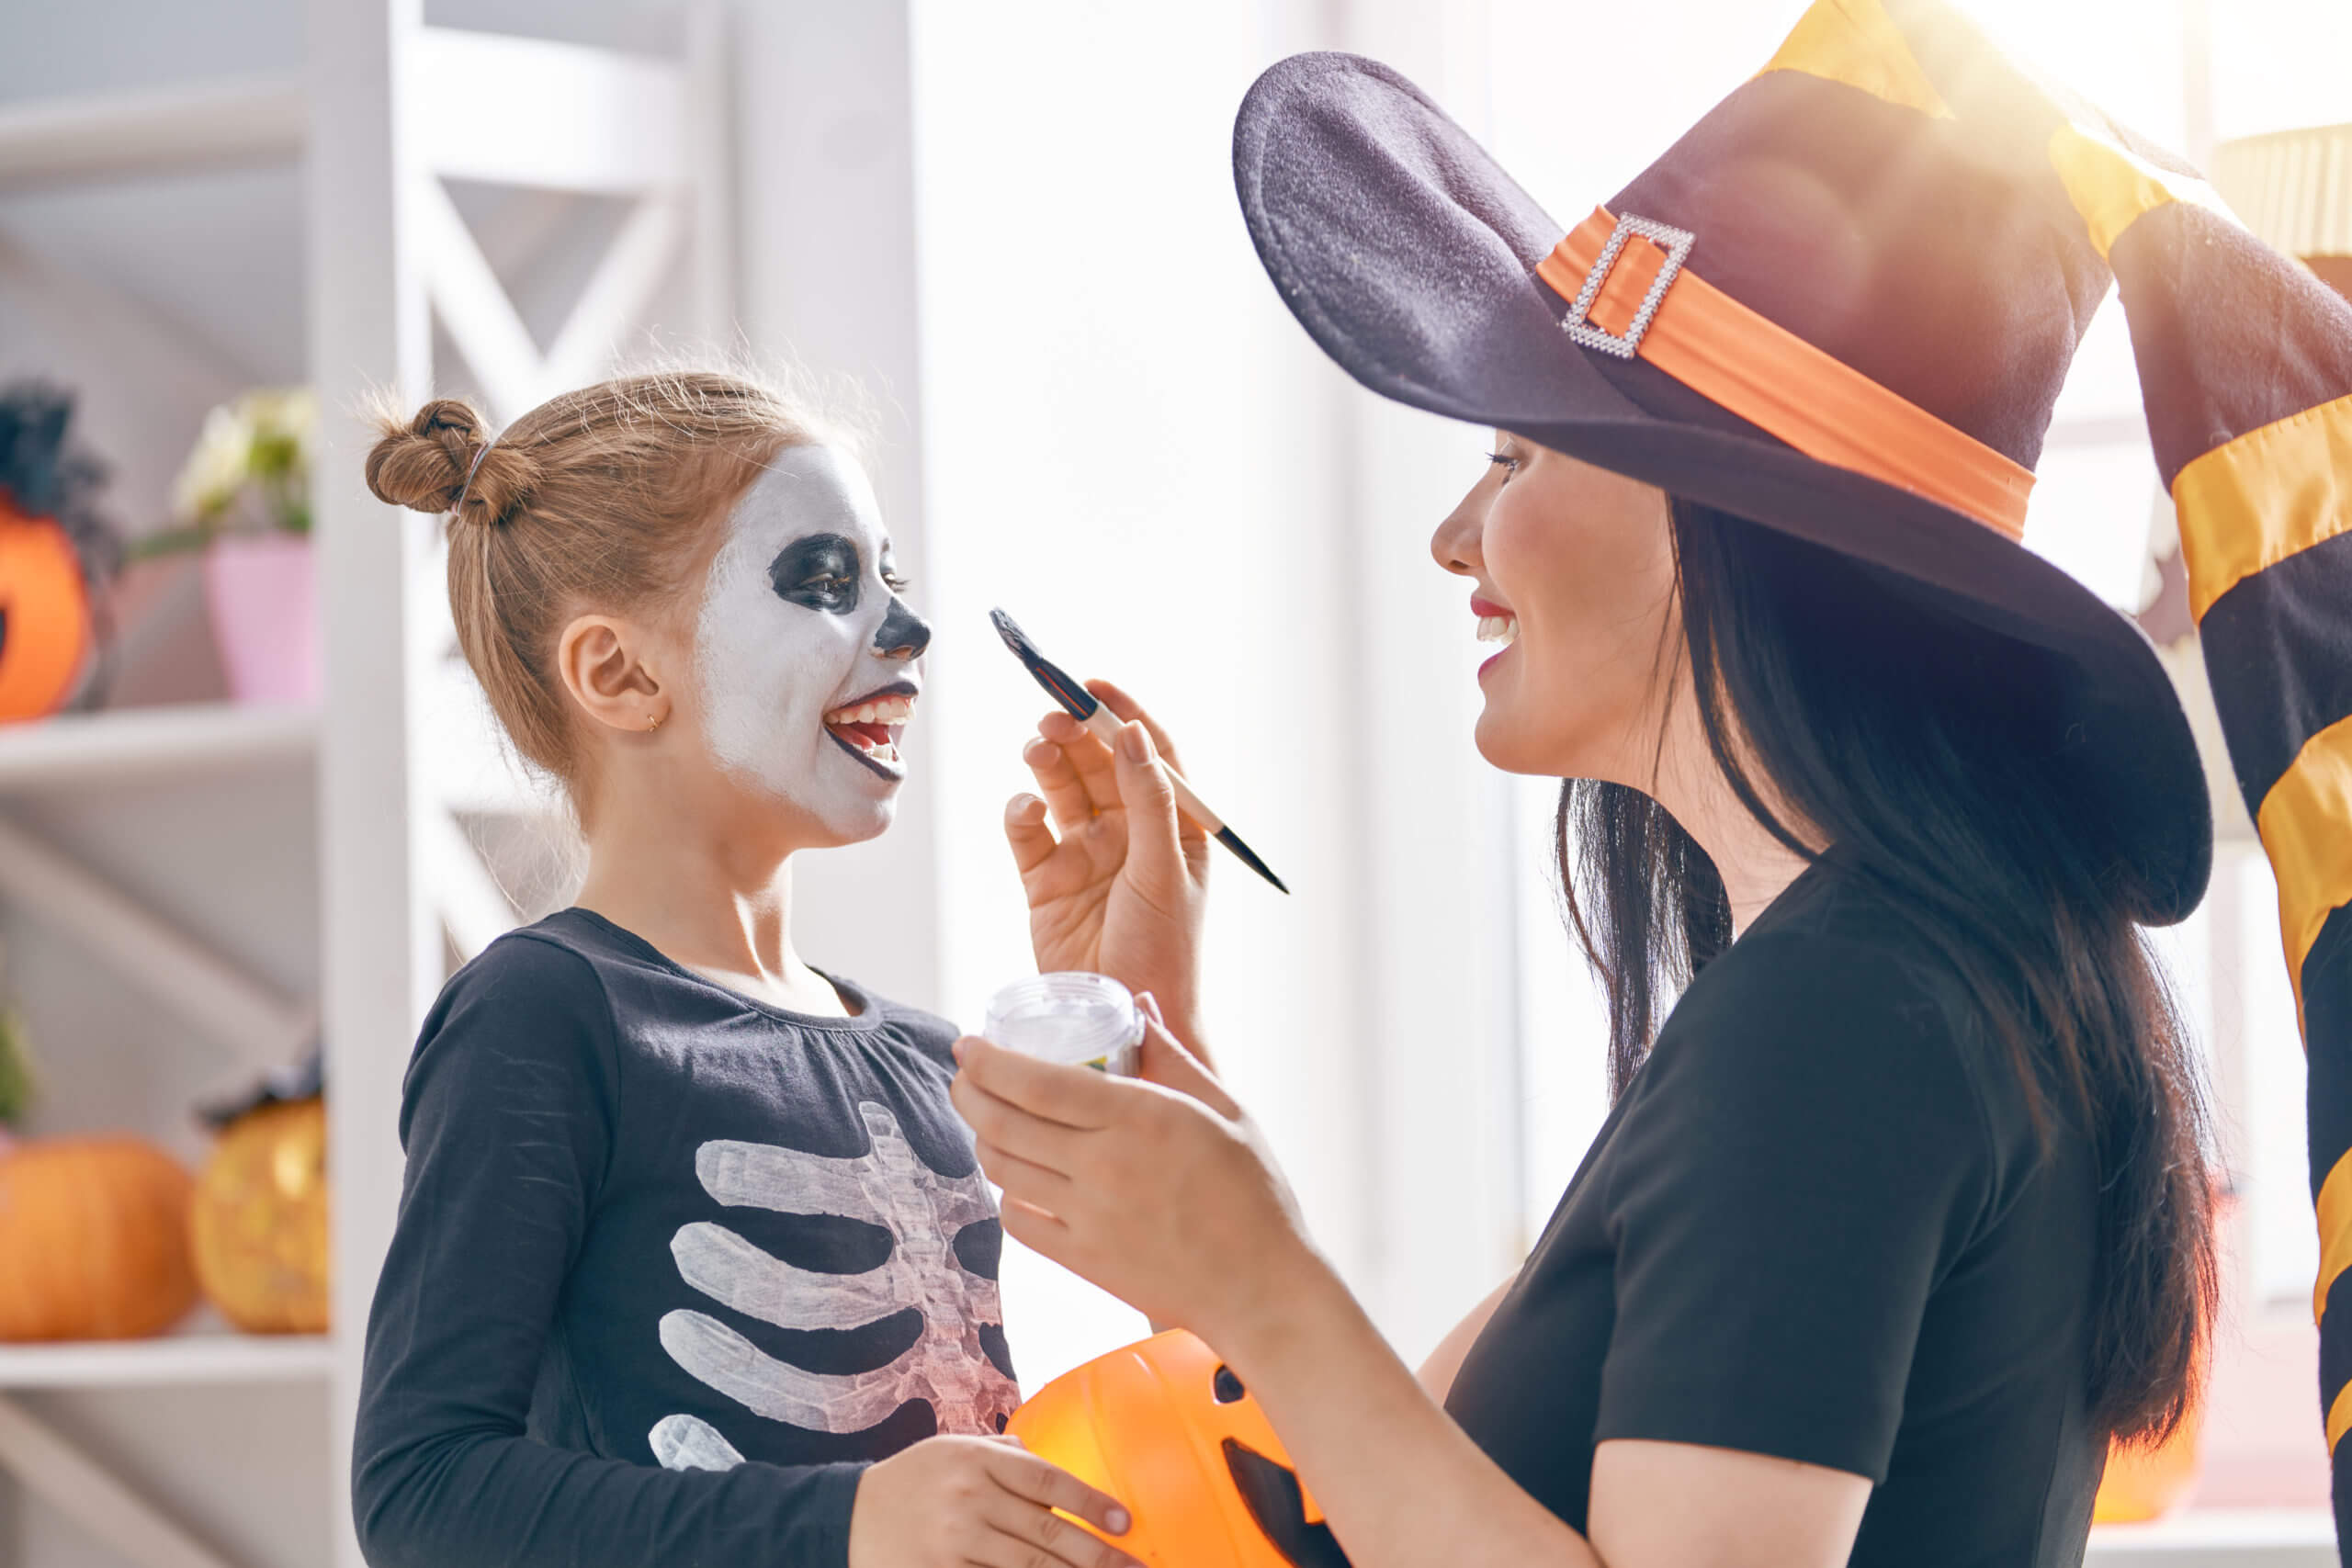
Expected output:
{"points": [[1900, 1215]]}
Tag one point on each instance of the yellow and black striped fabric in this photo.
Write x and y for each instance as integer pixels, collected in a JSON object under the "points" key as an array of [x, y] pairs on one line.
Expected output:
{"points": [[2246, 368], [2245, 373]]}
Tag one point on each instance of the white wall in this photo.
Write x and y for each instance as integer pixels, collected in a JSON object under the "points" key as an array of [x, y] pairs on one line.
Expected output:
{"points": [[1126, 446], [827, 280]]}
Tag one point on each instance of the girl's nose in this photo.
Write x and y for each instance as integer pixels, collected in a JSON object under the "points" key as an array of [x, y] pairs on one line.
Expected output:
{"points": [[904, 634]]}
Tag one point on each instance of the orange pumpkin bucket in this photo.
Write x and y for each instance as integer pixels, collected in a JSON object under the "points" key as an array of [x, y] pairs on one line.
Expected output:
{"points": [[1163, 1426]]}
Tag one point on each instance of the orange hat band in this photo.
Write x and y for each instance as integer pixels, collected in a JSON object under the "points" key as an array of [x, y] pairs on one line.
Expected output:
{"points": [[1629, 296]]}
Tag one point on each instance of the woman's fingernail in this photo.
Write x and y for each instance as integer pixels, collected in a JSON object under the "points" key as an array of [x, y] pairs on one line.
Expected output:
{"points": [[1116, 1521], [1020, 807], [1136, 743], [1150, 1005]]}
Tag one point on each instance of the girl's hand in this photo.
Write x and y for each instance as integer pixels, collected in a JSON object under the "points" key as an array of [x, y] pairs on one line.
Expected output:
{"points": [[953, 1501], [1164, 1196], [1117, 882]]}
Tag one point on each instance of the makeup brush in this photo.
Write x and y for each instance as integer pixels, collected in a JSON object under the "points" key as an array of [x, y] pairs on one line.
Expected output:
{"points": [[1087, 708]]}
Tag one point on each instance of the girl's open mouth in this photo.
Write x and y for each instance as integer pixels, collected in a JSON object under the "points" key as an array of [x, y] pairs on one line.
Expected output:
{"points": [[868, 728]]}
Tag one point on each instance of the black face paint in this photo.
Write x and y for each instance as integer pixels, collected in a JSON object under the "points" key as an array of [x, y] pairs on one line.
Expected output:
{"points": [[902, 631], [818, 572]]}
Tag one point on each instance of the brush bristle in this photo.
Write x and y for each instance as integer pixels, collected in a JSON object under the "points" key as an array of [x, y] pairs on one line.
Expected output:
{"points": [[1015, 637], [1058, 682]]}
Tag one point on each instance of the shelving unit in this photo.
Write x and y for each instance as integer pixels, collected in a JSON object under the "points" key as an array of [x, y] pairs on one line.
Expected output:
{"points": [[2219, 1537], [174, 1361], [359, 803], [75, 750], [160, 131]]}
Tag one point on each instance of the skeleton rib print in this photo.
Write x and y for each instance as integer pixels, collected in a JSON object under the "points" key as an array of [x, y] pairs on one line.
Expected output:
{"points": [[888, 1186]]}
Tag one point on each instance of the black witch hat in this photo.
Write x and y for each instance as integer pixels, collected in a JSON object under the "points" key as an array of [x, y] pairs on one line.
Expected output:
{"points": [[1842, 306]]}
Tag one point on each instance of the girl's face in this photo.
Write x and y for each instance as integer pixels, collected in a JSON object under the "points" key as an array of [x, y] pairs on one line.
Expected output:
{"points": [[805, 655], [1573, 574]]}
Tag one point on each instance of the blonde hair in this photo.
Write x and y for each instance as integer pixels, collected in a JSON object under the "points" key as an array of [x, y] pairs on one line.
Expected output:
{"points": [[595, 499]]}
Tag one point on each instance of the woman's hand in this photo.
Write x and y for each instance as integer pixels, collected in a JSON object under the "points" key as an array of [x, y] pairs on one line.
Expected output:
{"points": [[1164, 1196], [953, 1501], [1117, 882]]}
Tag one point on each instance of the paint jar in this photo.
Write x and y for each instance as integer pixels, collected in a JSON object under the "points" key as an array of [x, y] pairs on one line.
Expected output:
{"points": [[1074, 1018]]}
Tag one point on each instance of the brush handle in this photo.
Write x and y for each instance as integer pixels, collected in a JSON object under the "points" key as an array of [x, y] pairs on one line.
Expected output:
{"points": [[1106, 724]]}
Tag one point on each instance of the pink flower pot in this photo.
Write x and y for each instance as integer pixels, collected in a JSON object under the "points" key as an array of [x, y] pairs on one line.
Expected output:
{"points": [[265, 623]]}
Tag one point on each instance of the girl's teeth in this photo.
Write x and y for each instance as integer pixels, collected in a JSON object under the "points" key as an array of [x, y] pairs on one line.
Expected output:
{"points": [[1503, 629], [889, 710]]}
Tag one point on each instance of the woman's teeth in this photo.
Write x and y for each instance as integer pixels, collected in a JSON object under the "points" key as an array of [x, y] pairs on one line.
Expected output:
{"points": [[1503, 629]]}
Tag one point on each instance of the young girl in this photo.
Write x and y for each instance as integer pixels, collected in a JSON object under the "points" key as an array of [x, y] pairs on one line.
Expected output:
{"points": [[694, 1263]]}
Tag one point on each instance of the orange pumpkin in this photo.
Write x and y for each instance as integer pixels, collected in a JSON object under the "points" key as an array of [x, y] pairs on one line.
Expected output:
{"points": [[1169, 1432], [44, 616], [258, 1227], [92, 1240]]}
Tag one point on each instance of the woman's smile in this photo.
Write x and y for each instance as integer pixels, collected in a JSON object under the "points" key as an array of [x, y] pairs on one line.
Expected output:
{"points": [[1495, 623]]}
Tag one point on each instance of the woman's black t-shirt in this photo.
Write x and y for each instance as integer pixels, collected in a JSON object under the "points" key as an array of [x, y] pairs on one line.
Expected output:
{"points": [[1819, 1225]]}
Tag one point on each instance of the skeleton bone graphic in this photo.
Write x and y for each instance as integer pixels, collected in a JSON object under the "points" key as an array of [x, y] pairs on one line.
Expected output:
{"points": [[888, 1186]]}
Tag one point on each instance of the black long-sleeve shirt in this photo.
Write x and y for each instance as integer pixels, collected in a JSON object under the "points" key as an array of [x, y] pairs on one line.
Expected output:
{"points": [[671, 1266]]}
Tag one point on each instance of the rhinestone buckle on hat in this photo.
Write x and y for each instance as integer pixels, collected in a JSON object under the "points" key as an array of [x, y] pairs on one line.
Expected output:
{"points": [[1676, 243]]}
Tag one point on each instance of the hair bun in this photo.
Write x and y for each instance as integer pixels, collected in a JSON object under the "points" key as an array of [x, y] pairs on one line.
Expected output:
{"points": [[427, 464]]}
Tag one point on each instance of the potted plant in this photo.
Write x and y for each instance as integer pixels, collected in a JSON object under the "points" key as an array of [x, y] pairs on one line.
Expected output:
{"points": [[243, 497]]}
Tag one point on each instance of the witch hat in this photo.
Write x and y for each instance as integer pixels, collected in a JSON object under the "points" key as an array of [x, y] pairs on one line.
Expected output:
{"points": [[1841, 306]]}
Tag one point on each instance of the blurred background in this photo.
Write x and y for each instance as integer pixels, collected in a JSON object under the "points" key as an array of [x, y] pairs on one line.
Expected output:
{"points": [[271, 812]]}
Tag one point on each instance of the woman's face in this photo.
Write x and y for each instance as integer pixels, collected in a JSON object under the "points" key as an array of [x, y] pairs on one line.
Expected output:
{"points": [[1572, 570]]}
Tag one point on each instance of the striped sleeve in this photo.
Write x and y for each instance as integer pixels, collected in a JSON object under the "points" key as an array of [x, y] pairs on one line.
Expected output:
{"points": [[2246, 368]]}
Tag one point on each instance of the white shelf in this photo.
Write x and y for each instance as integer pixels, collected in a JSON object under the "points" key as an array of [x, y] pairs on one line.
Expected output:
{"points": [[2218, 1538], [157, 131], [130, 743], [173, 1359]]}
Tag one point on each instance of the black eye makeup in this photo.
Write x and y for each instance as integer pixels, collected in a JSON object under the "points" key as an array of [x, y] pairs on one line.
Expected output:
{"points": [[818, 572]]}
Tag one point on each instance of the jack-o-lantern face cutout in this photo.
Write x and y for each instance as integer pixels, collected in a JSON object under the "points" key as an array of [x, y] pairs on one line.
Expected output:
{"points": [[1169, 1432], [44, 616]]}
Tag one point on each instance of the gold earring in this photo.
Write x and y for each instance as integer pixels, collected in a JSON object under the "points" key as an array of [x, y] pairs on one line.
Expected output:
{"points": [[653, 724]]}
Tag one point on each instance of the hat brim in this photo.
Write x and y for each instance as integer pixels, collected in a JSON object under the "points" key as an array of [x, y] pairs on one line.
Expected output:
{"points": [[1408, 254]]}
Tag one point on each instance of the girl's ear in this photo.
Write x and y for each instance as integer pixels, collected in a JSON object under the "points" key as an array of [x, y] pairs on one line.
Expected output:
{"points": [[601, 660]]}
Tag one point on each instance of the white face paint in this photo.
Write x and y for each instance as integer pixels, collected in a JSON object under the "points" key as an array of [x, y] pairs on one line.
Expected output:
{"points": [[803, 652]]}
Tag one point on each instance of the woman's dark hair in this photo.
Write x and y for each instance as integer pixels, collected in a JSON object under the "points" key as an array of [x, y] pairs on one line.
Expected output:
{"points": [[1922, 746]]}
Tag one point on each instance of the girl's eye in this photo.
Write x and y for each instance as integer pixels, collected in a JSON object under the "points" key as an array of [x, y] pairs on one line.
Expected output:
{"points": [[894, 583], [1505, 461]]}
